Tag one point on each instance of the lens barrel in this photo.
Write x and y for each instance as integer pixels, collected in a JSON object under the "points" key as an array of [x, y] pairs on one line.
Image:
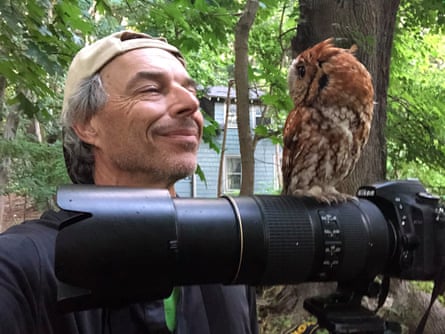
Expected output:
{"points": [[126, 241]]}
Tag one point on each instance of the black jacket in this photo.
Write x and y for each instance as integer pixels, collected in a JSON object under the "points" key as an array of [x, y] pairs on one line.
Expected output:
{"points": [[28, 294]]}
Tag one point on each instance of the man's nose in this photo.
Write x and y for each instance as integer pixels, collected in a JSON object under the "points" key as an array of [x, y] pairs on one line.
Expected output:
{"points": [[184, 102]]}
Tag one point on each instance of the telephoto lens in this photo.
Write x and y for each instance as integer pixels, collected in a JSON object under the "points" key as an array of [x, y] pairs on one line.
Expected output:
{"points": [[132, 244]]}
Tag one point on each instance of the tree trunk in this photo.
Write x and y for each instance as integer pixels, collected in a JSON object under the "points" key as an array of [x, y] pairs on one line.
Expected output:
{"points": [[2, 95], [2, 170], [247, 148], [219, 191], [9, 131], [406, 305], [369, 25]]}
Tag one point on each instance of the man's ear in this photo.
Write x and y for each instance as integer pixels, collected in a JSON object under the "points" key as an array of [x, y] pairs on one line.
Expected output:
{"points": [[86, 132]]}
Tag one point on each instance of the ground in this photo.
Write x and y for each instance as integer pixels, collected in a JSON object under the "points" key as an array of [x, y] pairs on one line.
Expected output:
{"points": [[15, 209]]}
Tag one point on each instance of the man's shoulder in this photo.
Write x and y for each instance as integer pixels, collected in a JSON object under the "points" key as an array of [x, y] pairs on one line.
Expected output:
{"points": [[48, 220], [33, 235], [28, 286]]}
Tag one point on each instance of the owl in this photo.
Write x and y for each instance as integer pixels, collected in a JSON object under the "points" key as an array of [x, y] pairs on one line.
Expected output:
{"points": [[326, 131]]}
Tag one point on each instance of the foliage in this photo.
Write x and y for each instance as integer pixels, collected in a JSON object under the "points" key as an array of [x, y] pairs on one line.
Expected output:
{"points": [[211, 130], [38, 169], [37, 41], [201, 29], [416, 108], [270, 49]]}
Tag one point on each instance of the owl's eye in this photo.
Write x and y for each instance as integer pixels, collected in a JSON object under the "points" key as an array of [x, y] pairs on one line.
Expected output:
{"points": [[301, 71]]}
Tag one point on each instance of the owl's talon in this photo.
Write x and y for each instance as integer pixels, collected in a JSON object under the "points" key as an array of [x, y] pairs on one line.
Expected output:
{"points": [[334, 198]]}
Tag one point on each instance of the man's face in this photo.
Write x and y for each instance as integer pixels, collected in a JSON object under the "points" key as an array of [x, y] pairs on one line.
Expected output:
{"points": [[149, 131]]}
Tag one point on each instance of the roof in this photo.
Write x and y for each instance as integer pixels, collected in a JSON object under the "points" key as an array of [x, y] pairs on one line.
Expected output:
{"points": [[221, 92]]}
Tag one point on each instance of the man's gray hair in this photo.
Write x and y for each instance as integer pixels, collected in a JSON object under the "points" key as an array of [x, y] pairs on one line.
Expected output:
{"points": [[89, 98]]}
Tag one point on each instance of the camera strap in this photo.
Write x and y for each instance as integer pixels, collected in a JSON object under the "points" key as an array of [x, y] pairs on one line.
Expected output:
{"points": [[438, 289]]}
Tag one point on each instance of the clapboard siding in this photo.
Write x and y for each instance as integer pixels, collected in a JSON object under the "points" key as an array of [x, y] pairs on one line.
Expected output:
{"points": [[267, 156], [266, 169]]}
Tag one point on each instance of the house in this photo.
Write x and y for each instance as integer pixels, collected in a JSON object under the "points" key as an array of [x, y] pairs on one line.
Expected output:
{"points": [[267, 154]]}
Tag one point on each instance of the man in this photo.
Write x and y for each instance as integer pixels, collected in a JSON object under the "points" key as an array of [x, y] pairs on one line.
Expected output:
{"points": [[130, 118]]}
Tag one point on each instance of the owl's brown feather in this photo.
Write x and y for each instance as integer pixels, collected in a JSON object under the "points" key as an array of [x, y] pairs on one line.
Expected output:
{"points": [[326, 131]]}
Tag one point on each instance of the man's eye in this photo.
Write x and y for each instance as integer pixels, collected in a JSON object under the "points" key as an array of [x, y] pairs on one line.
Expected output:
{"points": [[149, 89], [192, 89]]}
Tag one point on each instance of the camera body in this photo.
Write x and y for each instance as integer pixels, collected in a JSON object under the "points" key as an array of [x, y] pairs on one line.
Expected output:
{"points": [[415, 251], [418, 227]]}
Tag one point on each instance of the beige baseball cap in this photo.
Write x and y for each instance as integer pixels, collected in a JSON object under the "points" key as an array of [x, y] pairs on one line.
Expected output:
{"points": [[93, 57]]}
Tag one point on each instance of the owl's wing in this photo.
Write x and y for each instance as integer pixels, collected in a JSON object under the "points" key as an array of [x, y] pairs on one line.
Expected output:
{"points": [[291, 145]]}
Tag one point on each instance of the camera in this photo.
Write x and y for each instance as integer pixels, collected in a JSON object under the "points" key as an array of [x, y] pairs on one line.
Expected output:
{"points": [[126, 245]]}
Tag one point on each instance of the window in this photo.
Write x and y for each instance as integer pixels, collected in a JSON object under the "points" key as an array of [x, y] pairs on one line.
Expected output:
{"points": [[259, 117], [231, 120], [233, 174], [256, 115]]}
